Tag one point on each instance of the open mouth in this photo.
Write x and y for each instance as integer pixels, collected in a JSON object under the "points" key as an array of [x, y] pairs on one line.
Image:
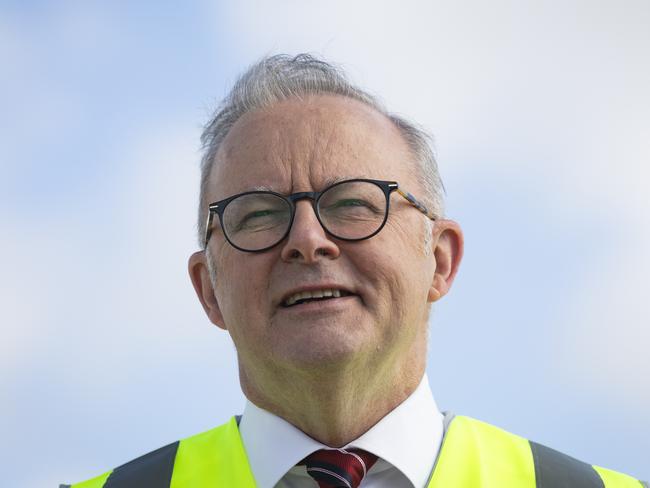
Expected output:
{"points": [[312, 296]]}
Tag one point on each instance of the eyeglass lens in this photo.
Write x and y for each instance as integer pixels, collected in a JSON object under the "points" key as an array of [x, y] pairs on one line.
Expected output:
{"points": [[349, 210]]}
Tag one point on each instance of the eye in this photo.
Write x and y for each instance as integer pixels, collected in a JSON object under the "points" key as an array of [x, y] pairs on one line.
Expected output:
{"points": [[258, 216], [259, 220], [351, 203], [259, 213], [352, 206]]}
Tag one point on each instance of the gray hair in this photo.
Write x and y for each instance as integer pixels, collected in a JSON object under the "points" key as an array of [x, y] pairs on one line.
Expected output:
{"points": [[280, 77]]}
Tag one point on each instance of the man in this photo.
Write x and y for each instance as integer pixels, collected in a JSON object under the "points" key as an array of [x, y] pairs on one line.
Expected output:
{"points": [[324, 246]]}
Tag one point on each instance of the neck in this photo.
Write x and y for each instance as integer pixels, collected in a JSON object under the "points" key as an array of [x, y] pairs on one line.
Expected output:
{"points": [[334, 405]]}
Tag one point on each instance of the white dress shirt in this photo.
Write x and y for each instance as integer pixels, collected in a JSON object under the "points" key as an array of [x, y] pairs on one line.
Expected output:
{"points": [[407, 441]]}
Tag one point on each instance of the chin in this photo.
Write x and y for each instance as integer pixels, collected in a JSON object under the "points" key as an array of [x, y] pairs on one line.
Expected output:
{"points": [[324, 355]]}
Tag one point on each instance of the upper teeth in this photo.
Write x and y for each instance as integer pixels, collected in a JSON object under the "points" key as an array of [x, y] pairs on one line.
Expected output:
{"points": [[311, 294]]}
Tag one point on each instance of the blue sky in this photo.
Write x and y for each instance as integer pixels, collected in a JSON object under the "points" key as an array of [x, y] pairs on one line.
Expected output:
{"points": [[540, 112]]}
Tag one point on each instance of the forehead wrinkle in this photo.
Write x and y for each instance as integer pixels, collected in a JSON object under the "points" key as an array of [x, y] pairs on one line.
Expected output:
{"points": [[329, 144], [233, 156]]}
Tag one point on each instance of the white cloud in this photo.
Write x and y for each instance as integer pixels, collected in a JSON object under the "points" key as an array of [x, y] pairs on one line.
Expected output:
{"points": [[604, 344], [20, 311]]}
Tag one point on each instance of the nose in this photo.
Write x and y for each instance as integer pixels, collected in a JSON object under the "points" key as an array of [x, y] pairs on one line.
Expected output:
{"points": [[307, 241]]}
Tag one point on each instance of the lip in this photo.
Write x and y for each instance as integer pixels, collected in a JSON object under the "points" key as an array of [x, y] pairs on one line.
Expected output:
{"points": [[324, 306], [313, 287]]}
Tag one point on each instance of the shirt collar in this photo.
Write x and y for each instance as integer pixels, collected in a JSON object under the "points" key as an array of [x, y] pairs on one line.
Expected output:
{"points": [[409, 438]]}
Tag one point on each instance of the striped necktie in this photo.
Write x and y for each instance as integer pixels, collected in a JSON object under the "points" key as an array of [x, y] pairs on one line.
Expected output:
{"points": [[339, 468]]}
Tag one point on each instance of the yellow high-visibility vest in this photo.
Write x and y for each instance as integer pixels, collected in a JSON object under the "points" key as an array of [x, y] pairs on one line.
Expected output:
{"points": [[473, 455]]}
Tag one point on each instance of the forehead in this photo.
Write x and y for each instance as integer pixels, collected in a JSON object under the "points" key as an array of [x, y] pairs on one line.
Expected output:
{"points": [[303, 144]]}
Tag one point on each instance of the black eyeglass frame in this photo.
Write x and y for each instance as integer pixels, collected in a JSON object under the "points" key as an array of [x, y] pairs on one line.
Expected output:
{"points": [[387, 187]]}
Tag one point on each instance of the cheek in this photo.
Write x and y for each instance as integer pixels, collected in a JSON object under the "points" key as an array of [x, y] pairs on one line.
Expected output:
{"points": [[383, 269], [242, 289], [400, 270]]}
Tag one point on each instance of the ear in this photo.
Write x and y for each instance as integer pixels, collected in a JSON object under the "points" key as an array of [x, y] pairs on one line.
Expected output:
{"points": [[200, 276], [448, 244]]}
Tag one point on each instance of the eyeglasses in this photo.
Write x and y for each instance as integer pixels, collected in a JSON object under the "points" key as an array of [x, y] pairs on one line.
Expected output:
{"points": [[350, 210]]}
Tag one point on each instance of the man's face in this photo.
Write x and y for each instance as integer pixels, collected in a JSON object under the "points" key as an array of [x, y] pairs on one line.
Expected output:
{"points": [[301, 146]]}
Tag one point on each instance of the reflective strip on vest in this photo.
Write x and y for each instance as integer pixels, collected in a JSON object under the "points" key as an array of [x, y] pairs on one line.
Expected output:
{"points": [[473, 455], [554, 469], [153, 469]]}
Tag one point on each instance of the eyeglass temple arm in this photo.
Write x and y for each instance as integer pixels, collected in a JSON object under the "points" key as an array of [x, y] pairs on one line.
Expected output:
{"points": [[416, 203], [208, 228]]}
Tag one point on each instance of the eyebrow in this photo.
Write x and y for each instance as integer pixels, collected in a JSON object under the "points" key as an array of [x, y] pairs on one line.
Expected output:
{"points": [[327, 182], [336, 179]]}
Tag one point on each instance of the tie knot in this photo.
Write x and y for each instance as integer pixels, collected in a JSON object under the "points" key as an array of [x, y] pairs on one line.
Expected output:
{"points": [[339, 468]]}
